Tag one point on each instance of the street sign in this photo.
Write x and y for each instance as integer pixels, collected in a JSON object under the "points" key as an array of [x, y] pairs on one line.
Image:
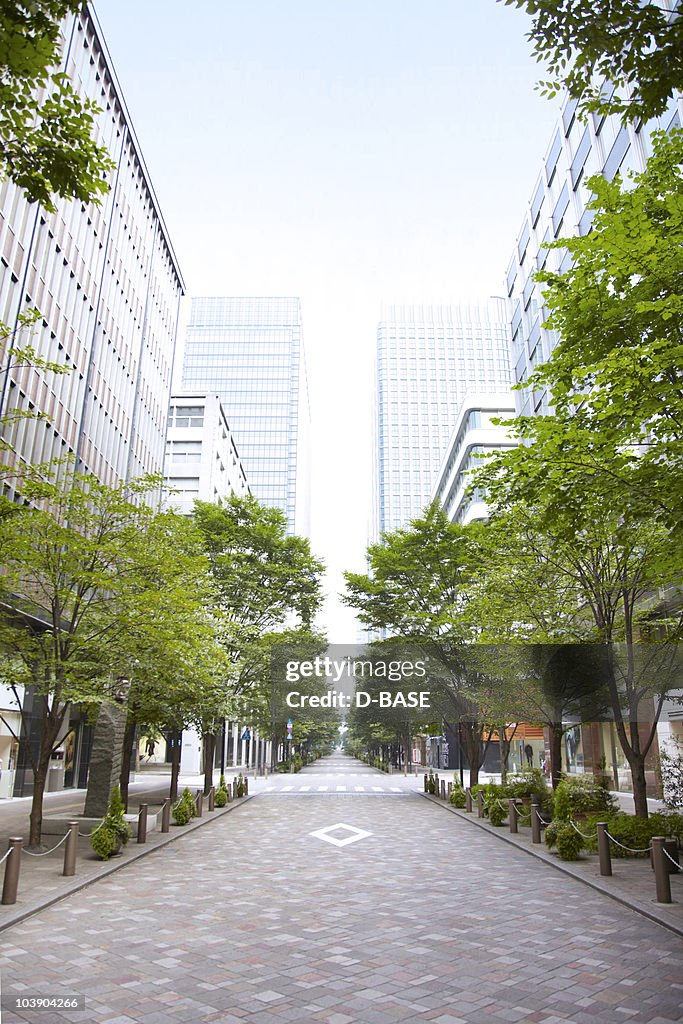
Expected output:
{"points": [[246, 735], [289, 729]]}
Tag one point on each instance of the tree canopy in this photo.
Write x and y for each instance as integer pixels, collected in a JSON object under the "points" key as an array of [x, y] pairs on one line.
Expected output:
{"points": [[603, 50], [47, 131]]}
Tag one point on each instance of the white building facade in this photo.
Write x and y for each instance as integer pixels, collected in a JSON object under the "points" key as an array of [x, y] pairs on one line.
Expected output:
{"points": [[202, 461], [474, 437]]}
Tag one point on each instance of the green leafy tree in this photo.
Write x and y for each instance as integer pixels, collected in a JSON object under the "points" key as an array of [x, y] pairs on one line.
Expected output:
{"points": [[47, 131], [87, 589], [604, 562], [418, 588], [615, 378], [266, 582], [591, 45]]}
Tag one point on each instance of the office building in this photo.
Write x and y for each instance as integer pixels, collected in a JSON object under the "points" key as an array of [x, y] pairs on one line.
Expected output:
{"points": [[556, 209], [474, 437], [108, 286], [250, 352], [429, 358], [202, 461]]}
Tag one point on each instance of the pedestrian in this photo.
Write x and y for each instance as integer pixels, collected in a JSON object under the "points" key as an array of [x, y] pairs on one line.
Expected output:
{"points": [[529, 751]]}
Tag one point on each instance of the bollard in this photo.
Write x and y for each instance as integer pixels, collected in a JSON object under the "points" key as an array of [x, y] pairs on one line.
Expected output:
{"points": [[480, 804], [535, 821], [246, 786], [142, 824], [212, 798], [166, 815], [199, 803], [229, 789], [512, 815], [443, 789], [12, 865], [450, 790], [662, 880], [603, 849], [468, 800], [426, 786], [70, 849]]}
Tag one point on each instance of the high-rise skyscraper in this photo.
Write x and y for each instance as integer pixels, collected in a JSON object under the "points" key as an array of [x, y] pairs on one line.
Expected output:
{"points": [[250, 352], [428, 359]]}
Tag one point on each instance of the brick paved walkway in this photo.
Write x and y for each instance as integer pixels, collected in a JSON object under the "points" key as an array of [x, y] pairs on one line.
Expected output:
{"points": [[253, 919]]}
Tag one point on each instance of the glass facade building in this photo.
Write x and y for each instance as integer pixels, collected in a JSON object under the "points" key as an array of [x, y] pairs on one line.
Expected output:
{"points": [[428, 359], [556, 209], [250, 352], [108, 287]]}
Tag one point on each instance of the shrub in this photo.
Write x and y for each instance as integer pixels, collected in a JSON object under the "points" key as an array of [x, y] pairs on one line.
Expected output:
{"points": [[181, 813], [497, 812], [551, 833], [569, 842], [220, 797], [103, 841], [526, 783], [238, 786], [431, 784], [188, 800], [114, 830], [458, 796], [578, 795], [634, 833]]}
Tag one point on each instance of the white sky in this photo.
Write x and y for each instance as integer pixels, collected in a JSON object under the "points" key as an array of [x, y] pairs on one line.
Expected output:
{"points": [[349, 152]]}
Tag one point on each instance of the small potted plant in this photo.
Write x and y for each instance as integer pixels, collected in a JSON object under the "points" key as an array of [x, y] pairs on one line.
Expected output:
{"points": [[113, 832], [220, 797]]}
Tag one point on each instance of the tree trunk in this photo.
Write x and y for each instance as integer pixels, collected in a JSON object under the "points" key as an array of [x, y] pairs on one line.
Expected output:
{"points": [[175, 763], [504, 744], [637, 766], [556, 734], [50, 726], [209, 746], [36, 816], [126, 758], [471, 741]]}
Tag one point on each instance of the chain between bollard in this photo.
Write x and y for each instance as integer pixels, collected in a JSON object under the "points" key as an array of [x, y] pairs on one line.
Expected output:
{"points": [[627, 848], [3, 859], [542, 820], [667, 854], [583, 834], [52, 849]]}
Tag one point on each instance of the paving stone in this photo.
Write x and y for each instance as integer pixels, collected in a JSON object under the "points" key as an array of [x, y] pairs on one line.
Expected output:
{"points": [[425, 919]]}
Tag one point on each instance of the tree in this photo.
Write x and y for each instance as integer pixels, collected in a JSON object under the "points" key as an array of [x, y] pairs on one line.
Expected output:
{"points": [[179, 672], [615, 378], [88, 586], [602, 50], [266, 582], [47, 144], [418, 589], [607, 562]]}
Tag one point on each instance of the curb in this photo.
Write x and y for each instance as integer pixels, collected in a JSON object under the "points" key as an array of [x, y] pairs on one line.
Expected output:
{"points": [[632, 904], [21, 914]]}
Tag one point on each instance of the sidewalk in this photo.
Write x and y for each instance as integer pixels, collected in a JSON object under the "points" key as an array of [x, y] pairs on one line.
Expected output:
{"points": [[41, 881], [632, 882]]}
